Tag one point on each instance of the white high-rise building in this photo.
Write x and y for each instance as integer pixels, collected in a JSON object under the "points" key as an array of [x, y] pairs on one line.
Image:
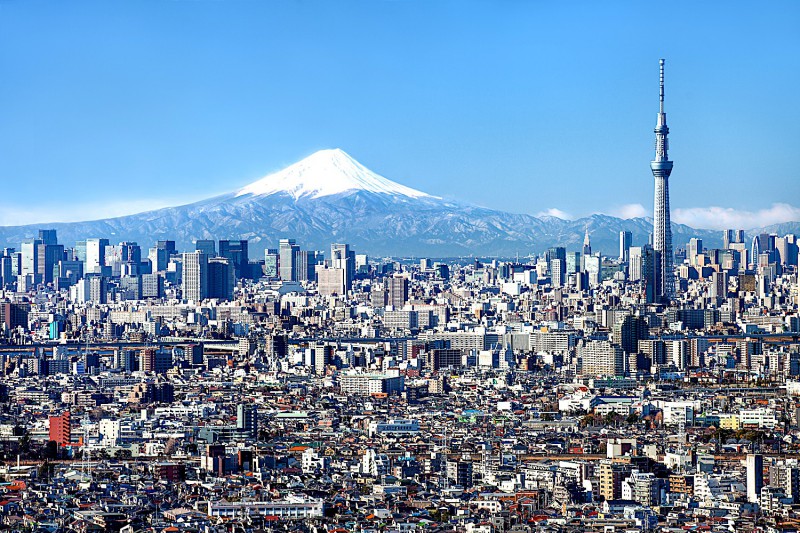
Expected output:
{"points": [[288, 252], [195, 276], [30, 258], [755, 476], [95, 255]]}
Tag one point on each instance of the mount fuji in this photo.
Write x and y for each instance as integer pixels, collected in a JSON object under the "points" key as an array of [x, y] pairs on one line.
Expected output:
{"points": [[327, 173], [330, 197]]}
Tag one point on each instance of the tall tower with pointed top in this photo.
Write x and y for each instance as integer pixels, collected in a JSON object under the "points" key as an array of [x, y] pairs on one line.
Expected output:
{"points": [[662, 230]]}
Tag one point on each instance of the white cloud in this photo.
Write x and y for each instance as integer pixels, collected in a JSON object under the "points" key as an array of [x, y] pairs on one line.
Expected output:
{"points": [[628, 211], [555, 212], [715, 217]]}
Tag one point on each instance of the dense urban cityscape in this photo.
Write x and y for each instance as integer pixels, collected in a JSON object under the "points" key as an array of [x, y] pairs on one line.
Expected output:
{"points": [[325, 350], [209, 390]]}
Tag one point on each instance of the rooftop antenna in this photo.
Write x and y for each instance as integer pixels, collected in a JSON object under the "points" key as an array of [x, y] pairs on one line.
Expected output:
{"points": [[661, 85]]}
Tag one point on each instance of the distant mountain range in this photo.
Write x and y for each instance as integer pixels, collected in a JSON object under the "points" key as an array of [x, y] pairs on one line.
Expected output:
{"points": [[330, 197]]}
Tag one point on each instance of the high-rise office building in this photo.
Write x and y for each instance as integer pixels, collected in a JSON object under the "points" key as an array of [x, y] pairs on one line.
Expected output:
{"points": [[48, 257], [30, 258], [167, 245], [628, 331], [331, 281], [573, 262], [301, 266], [661, 167], [593, 264], [271, 262], [123, 258], [220, 278], [344, 258], [95, 255], [288, 251], [362, 264], [730, 236], [763, 243], [558, 272], [48, 236], [79, 252], [397, 290], [160, 255], [556, 252], [237, 253], [642, 267], [207, 246], [305, 265], [195, 276], [7, 276], [719, 285], [786, 250], [96, 288], [152, 285], [693, 249], [625, 240]]}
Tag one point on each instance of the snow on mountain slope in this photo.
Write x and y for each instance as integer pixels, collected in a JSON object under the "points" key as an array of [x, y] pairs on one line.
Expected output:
{"points": [[326, 173]]}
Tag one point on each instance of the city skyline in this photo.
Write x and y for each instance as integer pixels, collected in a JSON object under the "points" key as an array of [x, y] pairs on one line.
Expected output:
{"points": [[250, 328], [176, 127]]}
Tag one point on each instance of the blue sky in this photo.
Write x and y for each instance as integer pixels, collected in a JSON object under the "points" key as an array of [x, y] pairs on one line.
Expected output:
{"points": [[113, 107]]}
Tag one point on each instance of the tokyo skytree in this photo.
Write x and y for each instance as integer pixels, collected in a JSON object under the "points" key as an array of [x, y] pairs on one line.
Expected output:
{"points": [[662, 230]]}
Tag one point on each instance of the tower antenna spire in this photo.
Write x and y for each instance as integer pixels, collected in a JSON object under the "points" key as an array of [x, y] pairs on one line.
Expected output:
{"points": [[662, 230], [661, 85]]}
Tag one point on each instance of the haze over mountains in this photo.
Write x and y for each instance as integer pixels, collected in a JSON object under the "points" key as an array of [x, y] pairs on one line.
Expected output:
{"points": [[330, 197]]}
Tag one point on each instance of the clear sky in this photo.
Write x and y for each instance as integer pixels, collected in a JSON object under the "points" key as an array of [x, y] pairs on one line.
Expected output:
{"points": [[526, 106]]}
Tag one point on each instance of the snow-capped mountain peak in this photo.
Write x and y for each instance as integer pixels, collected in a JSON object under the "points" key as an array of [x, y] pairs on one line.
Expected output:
{"points": [[326, 173]]}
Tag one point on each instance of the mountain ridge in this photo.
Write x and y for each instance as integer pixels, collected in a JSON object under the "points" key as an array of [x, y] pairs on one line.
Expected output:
{"points": [[330, 197]]}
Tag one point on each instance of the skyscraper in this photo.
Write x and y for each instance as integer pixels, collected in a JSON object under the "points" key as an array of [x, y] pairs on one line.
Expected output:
{"points": [[30, 258], [48, 255], [693, 249], [48, 236], [271, 263], [625, 239], [207, 246], [558, 272], [220, 277], [573, 262], [662, 230], [95, 255], [642, 267], [160, 255], [237, 253], [731, 236], [195, 276], [397, 290], [344, 258], [288, 257]]}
